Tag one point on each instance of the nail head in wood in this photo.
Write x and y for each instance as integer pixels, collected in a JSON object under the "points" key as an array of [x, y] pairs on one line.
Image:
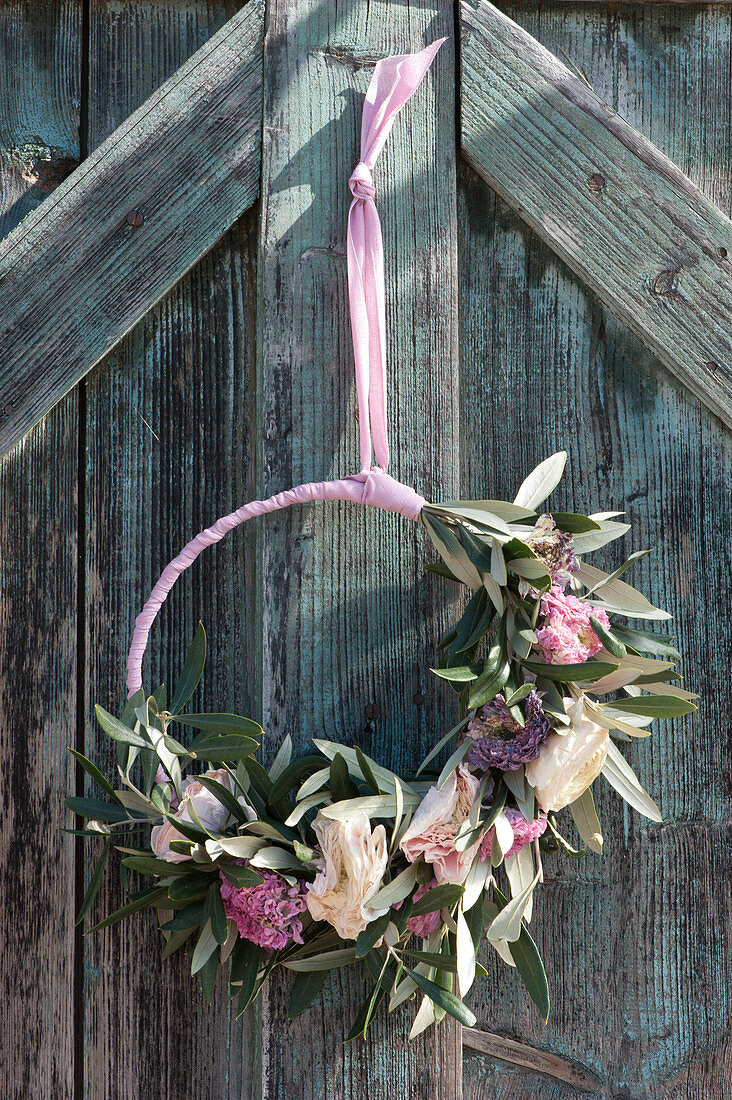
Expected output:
{"points": [[135, 217]]}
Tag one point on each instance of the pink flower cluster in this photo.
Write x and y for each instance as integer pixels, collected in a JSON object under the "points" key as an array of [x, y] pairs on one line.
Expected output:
{"points": [[565, 636], [427, 923], [524, 832], [267, 914]]}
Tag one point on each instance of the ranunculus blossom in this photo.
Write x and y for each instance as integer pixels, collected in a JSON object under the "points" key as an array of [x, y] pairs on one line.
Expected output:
{"points": [[565, 636], [524, 832], [433, 828], [352, 871], [568, 763], [267, 914], [207, 808]]}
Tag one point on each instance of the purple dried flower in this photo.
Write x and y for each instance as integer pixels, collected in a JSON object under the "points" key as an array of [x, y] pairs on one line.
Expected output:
{"points": [[267, 914], [556, 549], [498, 739]]}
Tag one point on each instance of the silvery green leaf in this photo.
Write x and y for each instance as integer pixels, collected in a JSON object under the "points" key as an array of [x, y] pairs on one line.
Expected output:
{"points": [[451, 552], [587, 541], [373, 805], [604, 717], [585, 818], [204, 948], [425, 1018], [307, 804], [459, 674], [502, 839], [507, 925], [441, 744], [621, 776], [313, 783], [498, 563], [396, 890], [617, 595], [503, 949], [494, 592], [475, 882], [282, 759], [275, 859], [530, 569], [133, 800], [479, 517], [398, 813], [541, 481], [465, 954], [520, 872], [383, 776], [329, 960], [619, 571], [242, 847], [450, 766], [655, 706], [670, 689], [511, 513]]}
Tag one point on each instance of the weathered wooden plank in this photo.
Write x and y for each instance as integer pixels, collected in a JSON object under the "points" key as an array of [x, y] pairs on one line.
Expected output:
{"points": [[168, 451], [81, 271], [38, 594], [637, 945], [610, 204], [348, 624]]}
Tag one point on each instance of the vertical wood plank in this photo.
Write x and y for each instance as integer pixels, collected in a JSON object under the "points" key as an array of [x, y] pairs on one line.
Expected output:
{"points": [[349, 623], [637, 945], [167, 452], [39, 142]]}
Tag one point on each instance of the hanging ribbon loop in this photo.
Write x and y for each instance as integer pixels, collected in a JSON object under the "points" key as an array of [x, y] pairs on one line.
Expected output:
{"points": [[394, 81]]}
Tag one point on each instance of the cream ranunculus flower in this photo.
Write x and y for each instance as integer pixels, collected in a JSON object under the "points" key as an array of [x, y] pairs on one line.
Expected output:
{"points": [[439, 816], [352, 870], [209, 811], [568, 762]]}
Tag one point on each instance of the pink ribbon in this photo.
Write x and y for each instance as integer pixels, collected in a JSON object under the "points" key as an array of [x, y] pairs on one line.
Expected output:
{"points": [[395, 79]]}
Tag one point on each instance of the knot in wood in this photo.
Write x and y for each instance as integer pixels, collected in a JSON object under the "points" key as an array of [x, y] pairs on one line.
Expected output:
{"points": [[665, 285], [596, 182]]}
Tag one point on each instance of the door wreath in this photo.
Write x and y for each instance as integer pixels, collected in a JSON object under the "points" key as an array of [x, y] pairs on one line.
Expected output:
{"points": [[329, 859]]}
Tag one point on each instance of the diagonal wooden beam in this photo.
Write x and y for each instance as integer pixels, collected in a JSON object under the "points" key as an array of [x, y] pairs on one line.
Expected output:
{"points": [[610, 204], [78, 273]]}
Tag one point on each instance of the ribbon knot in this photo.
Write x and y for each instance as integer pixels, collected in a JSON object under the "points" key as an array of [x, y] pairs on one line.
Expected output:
{"points": [[361, 183]]}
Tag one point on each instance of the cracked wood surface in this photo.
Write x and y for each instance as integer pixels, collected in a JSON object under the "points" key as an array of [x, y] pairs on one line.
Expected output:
{"points": [[626, 219], [638, 945], [80, 271]]}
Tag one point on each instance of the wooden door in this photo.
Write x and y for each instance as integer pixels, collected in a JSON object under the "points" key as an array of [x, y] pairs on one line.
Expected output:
{"points": [[239, 383]]}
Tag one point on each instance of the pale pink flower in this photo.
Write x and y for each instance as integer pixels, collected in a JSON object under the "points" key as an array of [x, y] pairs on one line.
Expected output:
{"points": [[565, 636], [569, 762], [352, 871], [433, 828], [206, 807]]}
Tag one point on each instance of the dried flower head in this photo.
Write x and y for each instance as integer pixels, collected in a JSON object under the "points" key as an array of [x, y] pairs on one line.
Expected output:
{"points": [[556, 549], [565, 636], [267, 914], [499, 741]]}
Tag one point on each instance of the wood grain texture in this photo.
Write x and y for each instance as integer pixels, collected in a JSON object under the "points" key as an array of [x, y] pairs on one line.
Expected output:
{"points": [[168, 449], [348, 623], [637, 945], [38, 594], [129, 222], [609, 203]]}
